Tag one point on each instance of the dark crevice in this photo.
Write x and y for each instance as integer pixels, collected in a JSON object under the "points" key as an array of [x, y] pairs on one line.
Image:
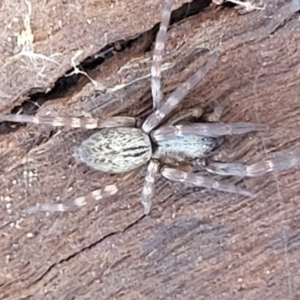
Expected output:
{"points": [[73, 255], [66, 84]]}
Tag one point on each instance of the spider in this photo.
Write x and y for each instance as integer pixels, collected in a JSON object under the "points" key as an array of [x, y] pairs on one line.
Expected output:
{"points": [[162, 142]]}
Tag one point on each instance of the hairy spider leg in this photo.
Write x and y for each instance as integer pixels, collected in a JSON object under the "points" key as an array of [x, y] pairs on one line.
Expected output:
{"points": [[87, 123], [206, 129], [201, 181], [74, 204], [158, 52], [148, 189], [281, 161]]}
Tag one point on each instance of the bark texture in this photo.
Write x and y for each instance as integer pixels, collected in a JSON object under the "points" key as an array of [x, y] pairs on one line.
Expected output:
{"points": [[195, 244]]}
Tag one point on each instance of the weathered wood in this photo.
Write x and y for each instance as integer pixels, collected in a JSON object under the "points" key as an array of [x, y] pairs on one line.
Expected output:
{"points": [[195, 244]]}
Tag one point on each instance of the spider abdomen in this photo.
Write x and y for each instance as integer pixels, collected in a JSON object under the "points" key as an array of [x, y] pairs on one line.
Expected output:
{"points": [[115, 150]]}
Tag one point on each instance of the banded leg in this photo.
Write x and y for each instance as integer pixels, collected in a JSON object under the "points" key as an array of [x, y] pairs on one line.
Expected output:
{"points": [[148, 189], [201, 181], [206, 129], [74, 204], [281, 161], [87, 123], [178, 95], [158, 52], [91, 198]]}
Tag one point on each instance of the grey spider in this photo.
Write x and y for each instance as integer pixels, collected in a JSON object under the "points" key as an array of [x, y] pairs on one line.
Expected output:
{"points": [[120, 146]]}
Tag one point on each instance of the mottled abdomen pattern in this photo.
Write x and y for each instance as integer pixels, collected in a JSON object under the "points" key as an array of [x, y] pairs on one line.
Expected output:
{"points": [[115, 150]]}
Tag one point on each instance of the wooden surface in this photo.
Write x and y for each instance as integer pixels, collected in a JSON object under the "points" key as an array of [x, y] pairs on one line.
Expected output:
{"points": [[195, 244]]}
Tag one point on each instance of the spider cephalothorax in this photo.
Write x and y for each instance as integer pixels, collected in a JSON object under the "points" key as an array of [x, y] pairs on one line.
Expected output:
{"points": [[162, 142]]}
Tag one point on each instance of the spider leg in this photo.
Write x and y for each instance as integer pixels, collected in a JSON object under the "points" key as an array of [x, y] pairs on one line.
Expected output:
{"points": [[74, 204], [87, 123], [206, 129], [148, 189], [201, 181], [154, 119], [281, 161], [158, 52], [94, 196]]}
